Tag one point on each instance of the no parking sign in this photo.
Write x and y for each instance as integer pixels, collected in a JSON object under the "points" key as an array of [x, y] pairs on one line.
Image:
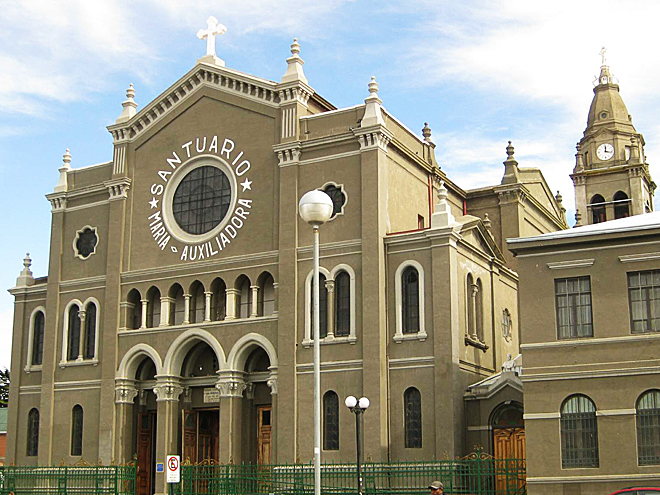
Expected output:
{"points": [[173, 465]]}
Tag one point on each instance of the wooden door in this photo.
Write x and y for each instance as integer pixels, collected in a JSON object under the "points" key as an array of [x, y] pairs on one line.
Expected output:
{"points": [[509, 445], [263, 434], [207, 435], [145, 437], [189, 433]]}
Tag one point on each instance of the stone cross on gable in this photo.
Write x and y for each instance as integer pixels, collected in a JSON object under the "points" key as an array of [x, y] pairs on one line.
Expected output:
{"points": [[602, 54], [213, 28]]}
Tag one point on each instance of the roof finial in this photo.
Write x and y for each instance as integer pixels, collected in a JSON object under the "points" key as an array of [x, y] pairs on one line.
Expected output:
{"points": [[25, 278], [426, 132], [442, 216], [213, 28], [509, 151], [372, 113], [487, 223], [294, 72], [66, 167], [510, 167], [602, 52], [129, 105]]}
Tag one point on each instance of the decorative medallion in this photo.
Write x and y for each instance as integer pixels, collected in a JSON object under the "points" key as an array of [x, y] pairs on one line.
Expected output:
{"points": [[85, 242], [200, 199]]}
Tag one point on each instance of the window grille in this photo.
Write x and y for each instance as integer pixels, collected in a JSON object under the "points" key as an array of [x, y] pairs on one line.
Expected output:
{"points": [[573, 297], [38, 339], [579, 433], [343, 304], [410, 287], [412, 403], [90, 331], [330, 421], [74, 333], [644, 301], [648, 428], [76, 430], [338, 198], [33, 433]]}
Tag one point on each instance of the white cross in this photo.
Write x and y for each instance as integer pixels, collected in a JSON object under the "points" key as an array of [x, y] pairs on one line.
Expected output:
{"points": [[213, 28], [602, 54]]}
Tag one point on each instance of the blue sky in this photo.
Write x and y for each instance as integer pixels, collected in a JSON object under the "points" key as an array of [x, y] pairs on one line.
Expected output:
{"points": [[480, 72]]}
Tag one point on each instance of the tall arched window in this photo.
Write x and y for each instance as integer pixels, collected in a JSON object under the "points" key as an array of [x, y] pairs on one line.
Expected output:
{"points": [[412, 411], [266, 295], [471, 302], [598, 213], [579, 433], [218, 300], [342, 304], [73, 337], [244, 302], [76, 429], [90, 331], [648, 428], [153, 307], [621, 205], [134, 310], [479, 316], [177, 305], [33, 433], [323, 307], [410, 308], [330, 421], [197, 303], [38, 326]]}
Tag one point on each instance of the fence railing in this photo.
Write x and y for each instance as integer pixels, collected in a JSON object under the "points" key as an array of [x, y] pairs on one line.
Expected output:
{"points": [[69, 480], [475, 476]]}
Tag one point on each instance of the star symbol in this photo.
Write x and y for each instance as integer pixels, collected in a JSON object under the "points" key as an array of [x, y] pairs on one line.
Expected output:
{"points": [[247, 184], [153, 203]]}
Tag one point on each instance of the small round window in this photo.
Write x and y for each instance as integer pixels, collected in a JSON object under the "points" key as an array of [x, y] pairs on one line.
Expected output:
{"points": [[201, 200], [603, 115]]}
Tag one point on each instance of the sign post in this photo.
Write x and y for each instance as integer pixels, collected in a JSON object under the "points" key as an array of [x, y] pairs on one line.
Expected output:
{"points": [[173, 471]]}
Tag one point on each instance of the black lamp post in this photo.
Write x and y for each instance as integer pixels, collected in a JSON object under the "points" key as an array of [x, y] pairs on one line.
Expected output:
{"points": [[358, 407]]}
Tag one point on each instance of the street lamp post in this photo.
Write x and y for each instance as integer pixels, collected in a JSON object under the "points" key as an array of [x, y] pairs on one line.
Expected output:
{"points": [[315, 208], [358, 407]]}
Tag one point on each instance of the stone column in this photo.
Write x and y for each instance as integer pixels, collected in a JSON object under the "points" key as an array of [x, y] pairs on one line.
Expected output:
{"points": [[330, 310], [186, 309], [255, 301], [207, 305], [82, 314], [230, 308], [165, 310], [168, 389], [125, 393], [473, 305], [143, 323], [231, 385]]}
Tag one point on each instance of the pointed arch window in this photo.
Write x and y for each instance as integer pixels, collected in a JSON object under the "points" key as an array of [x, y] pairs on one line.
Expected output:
{"points": [[73, 336], [33, 433], [90, 331], [579, 433], [412, 410], [38, 330], [76, 430], [648, 428], [342, 304], [410, 285], [330, 421]]}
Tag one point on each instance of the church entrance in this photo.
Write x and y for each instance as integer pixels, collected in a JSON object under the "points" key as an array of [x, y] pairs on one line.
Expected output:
{"points": [[509, 443], [200, 435], [146, 450], [264, 434]]}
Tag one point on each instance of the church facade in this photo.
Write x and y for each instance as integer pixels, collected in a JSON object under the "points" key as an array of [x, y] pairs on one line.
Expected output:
{"points": [[175, 316]]}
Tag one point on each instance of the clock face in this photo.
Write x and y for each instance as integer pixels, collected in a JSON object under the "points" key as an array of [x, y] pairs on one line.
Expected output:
{"points": [[605, 151]]}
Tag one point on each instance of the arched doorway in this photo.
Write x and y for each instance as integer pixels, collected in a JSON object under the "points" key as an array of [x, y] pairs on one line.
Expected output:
{"points": [[508, 431], [258, 408], [145, 421]]}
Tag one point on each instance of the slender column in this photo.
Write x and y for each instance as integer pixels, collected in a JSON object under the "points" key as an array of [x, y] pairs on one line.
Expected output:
{"points": [[330, 310], [473, 304], [165, 302], [167, 390], [255, 301], [207, 306], [125, 393], [82, 314], [276, 300], [143, 323], [231, 304], [186, 309]]}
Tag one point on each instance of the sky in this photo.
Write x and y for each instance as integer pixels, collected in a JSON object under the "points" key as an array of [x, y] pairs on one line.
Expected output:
{"points": [[480, 73]]}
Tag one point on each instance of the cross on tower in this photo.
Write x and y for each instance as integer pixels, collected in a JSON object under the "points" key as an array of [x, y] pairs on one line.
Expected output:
{"points": [[602, 54], [213, 28]]}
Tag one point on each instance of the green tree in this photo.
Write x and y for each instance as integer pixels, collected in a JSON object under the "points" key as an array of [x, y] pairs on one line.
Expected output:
{"points": [[4, 387]]}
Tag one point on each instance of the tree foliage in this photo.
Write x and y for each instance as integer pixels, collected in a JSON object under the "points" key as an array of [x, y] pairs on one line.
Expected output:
{"points": [[4, 387]]}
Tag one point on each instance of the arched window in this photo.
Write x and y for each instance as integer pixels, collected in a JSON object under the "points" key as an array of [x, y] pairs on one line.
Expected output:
{"points": [[648, 428], [266, 295], [579, 433], [621, 205], [197, 303], [218, 300], [76, 430], [33, 433], [38, 326], [177, 305], [342, 304], [73, 337], [412, 411], [323, 307], [598, 213], [244, 302], [134, 310], [330, 421], [410, 308], [153, 307], [471, 302], [479, 317], [90, 331]]}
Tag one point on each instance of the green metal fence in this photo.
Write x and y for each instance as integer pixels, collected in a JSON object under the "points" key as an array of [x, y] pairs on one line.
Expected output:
{"points": [[479, 475], [87, 480]]}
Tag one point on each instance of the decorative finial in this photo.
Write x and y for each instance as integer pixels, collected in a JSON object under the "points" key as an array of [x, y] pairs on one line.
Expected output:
{"points": [[487, 222], [373, 86], [602, 52], [559, 198], [294, 71], [578, 217], [129, 105], [27, 262], [66, 159], [25, 278], [372, 111], [442, 216], [509, 151], [426, 132], [510, 167], [62, 185], [442, 191]]}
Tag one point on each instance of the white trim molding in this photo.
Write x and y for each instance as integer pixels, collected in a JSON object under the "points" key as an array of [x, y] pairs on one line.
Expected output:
{"points": [[421, 334], [552, 415], [562, 265], [630, 258]]}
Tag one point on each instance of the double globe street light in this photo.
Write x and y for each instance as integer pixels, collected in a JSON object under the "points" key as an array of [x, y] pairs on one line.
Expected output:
{"points": [[315, 208], [358, 407]]}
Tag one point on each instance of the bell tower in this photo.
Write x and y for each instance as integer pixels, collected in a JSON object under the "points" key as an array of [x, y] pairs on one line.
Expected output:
{"points": [[611, 176]]}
